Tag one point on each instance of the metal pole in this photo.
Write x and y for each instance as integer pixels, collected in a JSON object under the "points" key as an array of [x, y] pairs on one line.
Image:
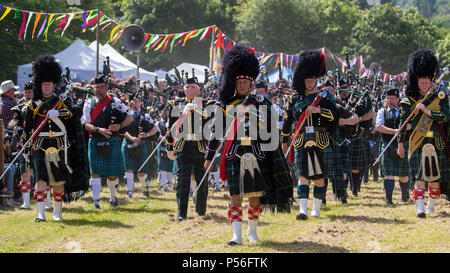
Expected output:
{"points": [[98, 44], [138, 67], [212, 55]]}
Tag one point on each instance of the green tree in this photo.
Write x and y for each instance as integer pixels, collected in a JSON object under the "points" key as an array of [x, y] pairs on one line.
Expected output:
{"points": [[337, 19], [388, 34], [444, 51], [279, 26], [172, 16]]}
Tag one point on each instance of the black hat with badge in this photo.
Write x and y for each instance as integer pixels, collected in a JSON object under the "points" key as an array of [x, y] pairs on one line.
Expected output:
{"points": [[239, 62], [100, 79], [192, 80], [393, 92]]}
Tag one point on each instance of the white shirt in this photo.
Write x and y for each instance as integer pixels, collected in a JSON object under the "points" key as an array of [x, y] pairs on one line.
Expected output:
{"points": [[86, 118]]}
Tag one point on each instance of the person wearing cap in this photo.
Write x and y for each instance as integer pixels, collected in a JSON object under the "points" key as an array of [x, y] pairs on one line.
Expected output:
{"points": [[254, 166], [8, 100], [189, 144], [312, 152], [134, 150], [27, 93], [388, 119], [57, 151], [426, 143], [103, 117]]}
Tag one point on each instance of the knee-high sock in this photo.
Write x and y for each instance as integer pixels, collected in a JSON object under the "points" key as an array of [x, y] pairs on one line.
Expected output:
{"points": [[216, 178], [356, 180], [404, 187], [112, 187], [433, 195], [389, 188], [326, 186], [129, 178], [303, 191], [96, 185], [142, 180], [163, 179]]}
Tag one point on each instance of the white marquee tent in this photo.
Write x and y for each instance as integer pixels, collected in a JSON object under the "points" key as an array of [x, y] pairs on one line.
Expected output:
{"points": [[199, 70], [107, 50], [81, 60]]}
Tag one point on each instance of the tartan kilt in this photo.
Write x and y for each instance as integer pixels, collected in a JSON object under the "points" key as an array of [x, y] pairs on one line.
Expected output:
{"points": [[390, 167], [415, 163], [328, 158], [21, 164], [153, 162], [359, 151], [233, 170], [335, 168], [132, 164], [110, 165], [39, 167], [164, 163], [345, 156]]}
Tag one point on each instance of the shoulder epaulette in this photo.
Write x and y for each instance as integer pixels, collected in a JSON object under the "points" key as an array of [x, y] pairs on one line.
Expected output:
{"points": [[171, 103], [405, 100]]}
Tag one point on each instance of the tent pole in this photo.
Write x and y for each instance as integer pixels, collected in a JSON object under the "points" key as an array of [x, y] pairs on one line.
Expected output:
{"points": [[211, 54], [98, 45]]}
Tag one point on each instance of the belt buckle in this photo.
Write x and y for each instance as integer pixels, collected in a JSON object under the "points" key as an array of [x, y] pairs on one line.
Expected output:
{"points": [[246, 141], [309, 129], [51, 134], [190, 137]]}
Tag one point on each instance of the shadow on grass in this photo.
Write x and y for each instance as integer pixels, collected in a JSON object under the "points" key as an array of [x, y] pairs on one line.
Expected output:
{"points": [[220, 197], [225, 208], [376, 220], [303, 246], [101, 223]]}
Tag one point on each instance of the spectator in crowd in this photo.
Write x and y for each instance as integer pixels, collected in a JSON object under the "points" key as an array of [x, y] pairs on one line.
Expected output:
{"points": [[8, 100]]}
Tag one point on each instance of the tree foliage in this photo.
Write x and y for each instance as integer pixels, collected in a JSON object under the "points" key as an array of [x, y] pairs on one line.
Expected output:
{"points": [[385, 33]]}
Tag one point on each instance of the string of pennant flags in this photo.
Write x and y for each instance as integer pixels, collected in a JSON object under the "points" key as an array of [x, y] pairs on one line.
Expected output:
{"points": [[161, 42]]}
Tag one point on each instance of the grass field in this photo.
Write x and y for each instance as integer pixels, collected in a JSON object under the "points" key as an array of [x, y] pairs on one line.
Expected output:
{"points": [[149, 225]]}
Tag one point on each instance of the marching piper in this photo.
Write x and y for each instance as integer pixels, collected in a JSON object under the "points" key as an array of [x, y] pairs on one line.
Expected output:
{"points": [[312, 149], [103, 117], [261, 175], [426, 148], [57, 153], [388, 119], [187, 141]]}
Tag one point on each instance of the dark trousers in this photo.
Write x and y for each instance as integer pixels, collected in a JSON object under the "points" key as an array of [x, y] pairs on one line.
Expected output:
{"points": [[189, 161]]}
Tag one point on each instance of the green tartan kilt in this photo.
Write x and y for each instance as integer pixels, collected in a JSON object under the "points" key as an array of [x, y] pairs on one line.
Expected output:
{"points": [[110, 165], [335, 168], [359, 151], [416, 158], [153, 162], [328, 158], [164, 163], [132, 164], [345, 156], [233, 170], [390, 167]]}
